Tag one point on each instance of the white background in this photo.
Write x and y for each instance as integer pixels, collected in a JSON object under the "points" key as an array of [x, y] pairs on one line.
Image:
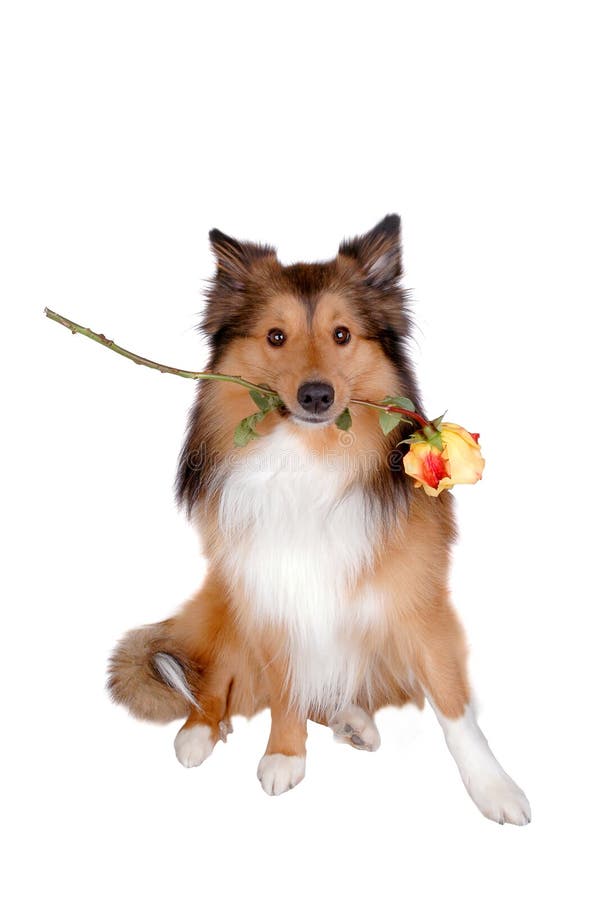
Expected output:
{"points": [[129, 130]]}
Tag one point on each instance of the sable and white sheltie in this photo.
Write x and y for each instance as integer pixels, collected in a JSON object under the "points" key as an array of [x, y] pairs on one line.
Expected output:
{"points": [[326, 595]]}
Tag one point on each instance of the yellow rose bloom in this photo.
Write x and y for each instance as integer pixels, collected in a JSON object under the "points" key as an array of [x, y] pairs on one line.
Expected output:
{"points": [[458, 462]]}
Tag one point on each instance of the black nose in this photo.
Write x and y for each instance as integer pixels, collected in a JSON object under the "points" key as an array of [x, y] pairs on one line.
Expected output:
{"points": [[315, 396]]}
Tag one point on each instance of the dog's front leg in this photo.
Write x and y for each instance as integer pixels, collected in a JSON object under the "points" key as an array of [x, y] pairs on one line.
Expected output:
{"points": [[282, 767], [441, 669]]}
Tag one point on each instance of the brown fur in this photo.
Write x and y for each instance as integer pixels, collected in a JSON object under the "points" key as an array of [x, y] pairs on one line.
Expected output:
{"points": [[233, 667], [134, 681]]}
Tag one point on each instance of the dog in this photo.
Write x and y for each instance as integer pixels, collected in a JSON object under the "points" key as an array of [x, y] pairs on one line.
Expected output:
{"points": [[326, 596]]}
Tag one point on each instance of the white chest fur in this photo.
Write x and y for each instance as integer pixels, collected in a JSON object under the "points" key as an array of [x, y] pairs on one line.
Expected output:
{"points": [[295, 542]]}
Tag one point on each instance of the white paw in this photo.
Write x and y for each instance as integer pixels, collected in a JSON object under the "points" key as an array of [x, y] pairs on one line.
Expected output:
{"points": [[279, 773], [194, 745], [490, 788], [354, 726], [499, 798]]}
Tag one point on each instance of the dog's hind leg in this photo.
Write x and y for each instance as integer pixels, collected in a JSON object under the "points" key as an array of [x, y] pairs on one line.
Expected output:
{"points": [[204, 727], [194, 742], [353, 726], [204, 627], [208, 723]]}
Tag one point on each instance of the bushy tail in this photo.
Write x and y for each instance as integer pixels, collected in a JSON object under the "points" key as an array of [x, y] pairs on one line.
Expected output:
{"points": [[152, 676]]}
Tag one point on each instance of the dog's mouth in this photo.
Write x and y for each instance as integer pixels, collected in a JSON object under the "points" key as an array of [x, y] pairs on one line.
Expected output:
{"points": [[313, 420], [304, 419]]}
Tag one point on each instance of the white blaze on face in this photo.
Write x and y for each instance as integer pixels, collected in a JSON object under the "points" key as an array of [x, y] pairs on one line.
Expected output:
{"points": [[295, 542]]}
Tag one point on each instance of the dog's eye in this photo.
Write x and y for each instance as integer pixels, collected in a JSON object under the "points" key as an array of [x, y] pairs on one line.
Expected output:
{"points": [[341, 335], [276, 337]]}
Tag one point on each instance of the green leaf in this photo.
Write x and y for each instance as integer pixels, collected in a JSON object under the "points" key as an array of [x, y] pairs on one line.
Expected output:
{"points": [[263, 403], [404, 402], [389, 421], [344, 420], [245, 431], [437, 422], [243, 434]]}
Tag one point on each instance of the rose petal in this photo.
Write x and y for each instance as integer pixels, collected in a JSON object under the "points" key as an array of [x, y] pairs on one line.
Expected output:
{"points": [[464, 457], [434, 468], [459, 431], [426, 464]]}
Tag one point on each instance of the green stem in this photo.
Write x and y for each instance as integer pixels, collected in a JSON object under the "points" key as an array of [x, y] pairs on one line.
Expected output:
{"points": [[142, 361], [386, 407], [207, 376]]}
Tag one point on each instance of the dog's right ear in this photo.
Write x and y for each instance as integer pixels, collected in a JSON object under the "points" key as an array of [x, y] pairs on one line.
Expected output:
{"points": [[378, 252], [235, 258]]}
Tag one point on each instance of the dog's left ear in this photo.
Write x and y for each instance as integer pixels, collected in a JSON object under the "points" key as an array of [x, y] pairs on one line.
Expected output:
{"points": [[378, 252]]}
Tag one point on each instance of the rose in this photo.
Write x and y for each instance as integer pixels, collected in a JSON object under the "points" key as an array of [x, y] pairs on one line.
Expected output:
{"points": [[441, 455], [440, 458]]}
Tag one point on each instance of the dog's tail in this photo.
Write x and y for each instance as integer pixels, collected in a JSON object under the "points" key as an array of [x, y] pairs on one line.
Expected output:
{"points": [[152, 676]]}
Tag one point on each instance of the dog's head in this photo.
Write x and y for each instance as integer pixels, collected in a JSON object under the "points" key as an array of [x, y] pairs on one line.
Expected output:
{"points": [[317, 333]]}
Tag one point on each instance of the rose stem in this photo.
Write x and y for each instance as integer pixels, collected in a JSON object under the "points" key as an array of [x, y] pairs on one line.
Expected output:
{"points": [[142, 361], [206, 376]]}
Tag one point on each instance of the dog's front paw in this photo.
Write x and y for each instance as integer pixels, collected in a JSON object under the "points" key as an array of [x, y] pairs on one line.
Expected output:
{"points": [[278, 773], [193, 745], [499, 798]]}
